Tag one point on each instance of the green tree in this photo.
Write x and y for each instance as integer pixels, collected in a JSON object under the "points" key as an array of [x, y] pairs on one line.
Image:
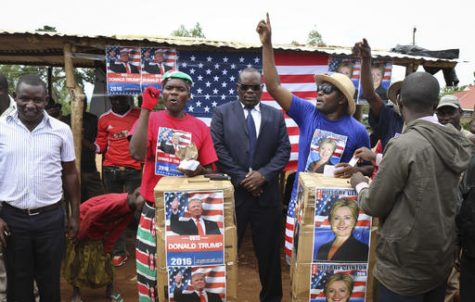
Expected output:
{"points": [[195, 31], [47, 28], [315, 38], [59, 92]]}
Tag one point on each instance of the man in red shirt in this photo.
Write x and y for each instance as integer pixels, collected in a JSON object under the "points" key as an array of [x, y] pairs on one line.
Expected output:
{"points": [[121, 173], [102, 220], [147, 135]]}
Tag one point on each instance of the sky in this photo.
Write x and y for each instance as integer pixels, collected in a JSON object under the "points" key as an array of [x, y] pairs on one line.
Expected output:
{"points": [[440, 24]]}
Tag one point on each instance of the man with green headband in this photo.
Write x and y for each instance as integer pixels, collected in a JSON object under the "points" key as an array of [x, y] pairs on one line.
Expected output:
{"points": [[151, 129]]}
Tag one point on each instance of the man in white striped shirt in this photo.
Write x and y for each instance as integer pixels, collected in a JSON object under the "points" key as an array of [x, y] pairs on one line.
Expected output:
{"points": [[36, 155]]}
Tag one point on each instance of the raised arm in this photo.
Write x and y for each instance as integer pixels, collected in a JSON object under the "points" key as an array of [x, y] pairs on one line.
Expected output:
{"points": [[363, 50], [279, 93]]}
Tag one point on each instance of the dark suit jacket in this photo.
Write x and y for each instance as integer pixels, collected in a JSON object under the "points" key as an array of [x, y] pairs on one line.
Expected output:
{"points": [[193, 297], [120, 68], [167, 148], [188, 227], [159, 68], [351, 250], [230, 138]]}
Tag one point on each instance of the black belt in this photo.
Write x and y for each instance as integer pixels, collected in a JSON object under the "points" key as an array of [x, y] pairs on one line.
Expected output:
{"points": [[32, 212]]}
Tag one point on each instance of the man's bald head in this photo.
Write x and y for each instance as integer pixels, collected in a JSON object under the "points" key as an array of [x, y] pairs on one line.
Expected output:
{"points": [[420, 92]]}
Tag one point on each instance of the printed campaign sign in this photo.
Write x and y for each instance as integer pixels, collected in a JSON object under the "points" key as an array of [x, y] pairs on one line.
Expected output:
{"points": [[123, 70], [155, 62], [342, 231], [338, 282], [194, 224], [326, 148], [167, 156], [380, 70], [188, 283], [132, 69]]}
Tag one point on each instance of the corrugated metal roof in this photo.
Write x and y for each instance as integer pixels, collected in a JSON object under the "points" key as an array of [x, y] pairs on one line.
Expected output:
{"points": [[186, 42]]}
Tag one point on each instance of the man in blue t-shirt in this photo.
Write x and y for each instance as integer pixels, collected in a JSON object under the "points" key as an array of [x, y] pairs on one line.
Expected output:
{"points": [[329, 121], [385, 121]]}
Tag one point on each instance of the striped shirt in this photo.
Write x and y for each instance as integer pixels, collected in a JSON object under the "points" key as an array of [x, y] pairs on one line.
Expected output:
{"points": [[31, 162]]}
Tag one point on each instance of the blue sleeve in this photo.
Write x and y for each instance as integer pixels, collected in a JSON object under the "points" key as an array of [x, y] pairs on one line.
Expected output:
{"points": [[386, 125], [299, 109]]}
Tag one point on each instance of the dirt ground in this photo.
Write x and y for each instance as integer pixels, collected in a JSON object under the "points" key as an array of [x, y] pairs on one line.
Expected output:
{"points": [[248, 282]]}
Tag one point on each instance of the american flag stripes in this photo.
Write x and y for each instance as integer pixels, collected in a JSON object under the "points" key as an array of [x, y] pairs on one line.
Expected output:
{"points": [[215, 277], [213, 209]]}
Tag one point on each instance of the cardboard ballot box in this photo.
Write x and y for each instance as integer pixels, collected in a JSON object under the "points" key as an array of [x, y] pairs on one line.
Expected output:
{"points": [[326, 213], [196, 234]]}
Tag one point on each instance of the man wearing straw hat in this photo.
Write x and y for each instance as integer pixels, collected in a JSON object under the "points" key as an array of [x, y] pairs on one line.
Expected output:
{"points": [[331, 117]]}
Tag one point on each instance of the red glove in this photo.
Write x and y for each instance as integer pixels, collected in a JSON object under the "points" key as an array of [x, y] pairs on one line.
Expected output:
{"points": [[150, 98]]}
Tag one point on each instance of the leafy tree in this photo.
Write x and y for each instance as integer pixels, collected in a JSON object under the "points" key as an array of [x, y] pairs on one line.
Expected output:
{"points": [[47, 28], [60, 93], [451, 89], [315, 38], [195, 31]]}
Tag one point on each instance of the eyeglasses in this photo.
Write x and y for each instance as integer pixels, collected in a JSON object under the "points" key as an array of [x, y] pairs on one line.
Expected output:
{"points": [[245, 87], [326, 88]]}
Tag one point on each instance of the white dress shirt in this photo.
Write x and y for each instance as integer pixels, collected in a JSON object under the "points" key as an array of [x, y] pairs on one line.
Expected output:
{"points": [[10, 109], [256, 116], [31, 161]]}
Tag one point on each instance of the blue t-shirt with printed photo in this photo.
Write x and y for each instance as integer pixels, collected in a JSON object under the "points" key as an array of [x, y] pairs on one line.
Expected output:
{"points": [[346, 133]]}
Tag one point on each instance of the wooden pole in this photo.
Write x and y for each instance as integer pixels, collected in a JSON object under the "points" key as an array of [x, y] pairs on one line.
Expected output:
{"points": [[50, 81], [77, 104]]}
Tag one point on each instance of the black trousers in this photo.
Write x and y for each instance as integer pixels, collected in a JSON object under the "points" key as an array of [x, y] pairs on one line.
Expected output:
{"points": [[34, 252], [467, 279], [266, 237]]}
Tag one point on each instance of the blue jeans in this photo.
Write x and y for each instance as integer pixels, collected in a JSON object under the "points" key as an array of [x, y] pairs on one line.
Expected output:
{"points": [[435, 295]]}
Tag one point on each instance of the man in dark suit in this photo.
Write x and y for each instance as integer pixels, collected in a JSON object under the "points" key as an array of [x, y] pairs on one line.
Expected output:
{"points": [[198, 282], [158, 65], [253, 147], [123, 66], [194, 226]]}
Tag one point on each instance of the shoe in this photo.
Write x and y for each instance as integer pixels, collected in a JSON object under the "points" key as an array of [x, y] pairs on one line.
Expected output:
{"points": [[119, 260]]}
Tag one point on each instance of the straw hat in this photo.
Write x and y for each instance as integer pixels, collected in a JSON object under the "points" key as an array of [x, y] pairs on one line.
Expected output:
{"points": [[342, 83], [394, 90]]}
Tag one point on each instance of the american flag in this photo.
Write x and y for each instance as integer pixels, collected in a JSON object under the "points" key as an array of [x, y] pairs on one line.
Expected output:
{"points": [[213, 206], [215, 77], [321, 272], [215, 277]]}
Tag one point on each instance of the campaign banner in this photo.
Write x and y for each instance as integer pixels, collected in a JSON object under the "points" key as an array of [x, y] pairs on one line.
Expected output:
{"points": [[341, 229], [155, 61], [130, 70], [194, 222], [338, 282], [381, 71], [123, 70], [189, 283]]}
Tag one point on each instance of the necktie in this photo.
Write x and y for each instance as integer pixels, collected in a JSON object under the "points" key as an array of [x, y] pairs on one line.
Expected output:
{"points": [[202, 297], [127, 68], [201, 232], [251, 131]]}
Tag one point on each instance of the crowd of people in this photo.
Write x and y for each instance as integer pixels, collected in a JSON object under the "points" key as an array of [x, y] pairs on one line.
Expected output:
{"points": [[422, 190]]}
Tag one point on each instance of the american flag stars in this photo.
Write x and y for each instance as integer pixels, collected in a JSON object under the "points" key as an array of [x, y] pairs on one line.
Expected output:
{"points": [[215, 76]]}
